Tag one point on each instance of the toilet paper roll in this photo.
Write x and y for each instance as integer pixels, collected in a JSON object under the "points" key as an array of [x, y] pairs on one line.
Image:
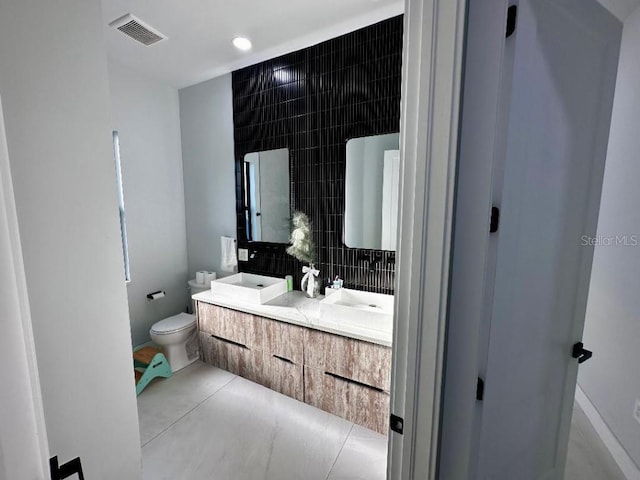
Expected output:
{"points": [[209, 277], [156, 295], [200, 276]]}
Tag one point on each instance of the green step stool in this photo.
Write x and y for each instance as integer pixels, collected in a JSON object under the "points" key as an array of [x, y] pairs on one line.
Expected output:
{"points": [[149, 363]]}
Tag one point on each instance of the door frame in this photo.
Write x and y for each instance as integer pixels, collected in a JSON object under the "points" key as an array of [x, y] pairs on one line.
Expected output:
{"points": [[17, 277], [482, 150], [431, 98]]}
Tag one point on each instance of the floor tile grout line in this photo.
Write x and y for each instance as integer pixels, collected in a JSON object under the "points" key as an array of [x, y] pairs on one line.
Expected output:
{"points": [[341, 448], [187, 413]]}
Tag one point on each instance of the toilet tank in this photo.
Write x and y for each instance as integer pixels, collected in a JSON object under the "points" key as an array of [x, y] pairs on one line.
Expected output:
{"points": [[194, 288]]}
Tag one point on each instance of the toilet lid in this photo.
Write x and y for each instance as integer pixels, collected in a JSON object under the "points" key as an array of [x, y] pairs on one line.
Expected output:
{"points": [[174, 324]]}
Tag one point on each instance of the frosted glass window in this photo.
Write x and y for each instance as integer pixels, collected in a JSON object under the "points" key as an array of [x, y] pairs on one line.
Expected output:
{"points": [[123, 222]]}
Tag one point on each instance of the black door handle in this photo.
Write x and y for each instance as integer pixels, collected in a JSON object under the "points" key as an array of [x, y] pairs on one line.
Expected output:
{"points": [[71, 468], [581, 353]]}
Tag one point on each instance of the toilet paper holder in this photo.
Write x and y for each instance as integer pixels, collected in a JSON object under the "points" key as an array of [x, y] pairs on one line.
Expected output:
{"points": [[155, 295]]}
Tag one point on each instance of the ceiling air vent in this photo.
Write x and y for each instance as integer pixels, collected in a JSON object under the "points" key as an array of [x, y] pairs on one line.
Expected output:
{"points": [[138, 30]]}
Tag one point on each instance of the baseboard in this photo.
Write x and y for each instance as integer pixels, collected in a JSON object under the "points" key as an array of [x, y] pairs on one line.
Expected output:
{"points": [[619, 454]]}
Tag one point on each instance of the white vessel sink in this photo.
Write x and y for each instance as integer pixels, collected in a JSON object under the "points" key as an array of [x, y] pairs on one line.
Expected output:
{"points": [[368, 310], [250, 288]]}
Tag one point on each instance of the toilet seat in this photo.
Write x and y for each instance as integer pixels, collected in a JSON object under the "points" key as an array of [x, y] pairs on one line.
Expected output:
{"points": [[177, 323]]}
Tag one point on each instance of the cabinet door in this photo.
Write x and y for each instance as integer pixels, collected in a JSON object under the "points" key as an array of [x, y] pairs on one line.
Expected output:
{"points": [[284, 340], [359, 403], [238, 327], [233, 357], [282, 375], [363, 362]]}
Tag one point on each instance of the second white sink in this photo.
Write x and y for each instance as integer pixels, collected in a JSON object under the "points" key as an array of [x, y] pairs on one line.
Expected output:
{"points": [[362, 309], [250, 288]]}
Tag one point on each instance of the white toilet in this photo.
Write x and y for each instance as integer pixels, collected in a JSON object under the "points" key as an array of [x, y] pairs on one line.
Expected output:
{"points": [[177, 336]]}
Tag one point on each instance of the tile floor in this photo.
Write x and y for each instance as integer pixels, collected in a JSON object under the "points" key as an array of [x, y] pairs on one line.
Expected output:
{"points": [[588, 458], [205, 423]]}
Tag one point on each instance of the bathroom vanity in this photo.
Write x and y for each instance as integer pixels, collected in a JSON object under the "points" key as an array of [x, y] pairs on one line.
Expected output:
{"points": [[288, 346]]}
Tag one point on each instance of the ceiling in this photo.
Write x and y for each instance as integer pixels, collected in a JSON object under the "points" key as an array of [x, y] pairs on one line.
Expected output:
{"points": [[200, 32]]}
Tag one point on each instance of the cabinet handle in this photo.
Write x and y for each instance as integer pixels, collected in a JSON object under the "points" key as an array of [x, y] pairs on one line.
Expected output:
{"points": [[355, 382], [282, 358], [230, 342]]}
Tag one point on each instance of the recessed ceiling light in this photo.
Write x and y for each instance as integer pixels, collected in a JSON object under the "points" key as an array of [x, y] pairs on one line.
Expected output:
{"points": [[242, 43]]}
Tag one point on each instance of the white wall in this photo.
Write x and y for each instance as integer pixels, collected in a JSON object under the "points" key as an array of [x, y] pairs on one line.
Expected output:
{"points": [[23, 448], [54, 88], [206, 118], [146, 114], [611, 379]]}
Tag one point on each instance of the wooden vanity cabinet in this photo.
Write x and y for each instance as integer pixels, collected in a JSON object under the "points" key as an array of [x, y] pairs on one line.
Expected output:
{"points": [[231, 340], [284, 340], [259, 349], [233, 357], [283, 376], [357, 360], [357, 402], [237, 327], [347, 377], [283, 358]]}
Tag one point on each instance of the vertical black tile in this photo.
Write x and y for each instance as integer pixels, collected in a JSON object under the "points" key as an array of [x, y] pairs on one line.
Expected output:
{"points": [[311, 102]]}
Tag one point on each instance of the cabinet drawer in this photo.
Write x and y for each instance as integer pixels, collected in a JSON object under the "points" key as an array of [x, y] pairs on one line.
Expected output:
{"points": [[358, 403], [238, 327], [283, 339], [283, 376], [349, 358], [233, 357]]}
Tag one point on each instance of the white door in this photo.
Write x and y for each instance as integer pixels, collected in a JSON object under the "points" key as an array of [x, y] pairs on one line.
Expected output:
{"points": [[564, 65], [23, 441]]}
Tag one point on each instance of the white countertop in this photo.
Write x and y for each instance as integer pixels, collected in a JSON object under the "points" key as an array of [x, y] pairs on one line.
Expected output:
{"points": [[294, 307]]}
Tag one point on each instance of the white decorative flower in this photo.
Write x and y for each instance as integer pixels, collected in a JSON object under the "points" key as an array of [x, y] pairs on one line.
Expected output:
{"points": [[302, 246]]}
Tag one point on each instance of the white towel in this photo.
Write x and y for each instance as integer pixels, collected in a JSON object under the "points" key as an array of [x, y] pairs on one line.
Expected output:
{"points": [[228, 257]]}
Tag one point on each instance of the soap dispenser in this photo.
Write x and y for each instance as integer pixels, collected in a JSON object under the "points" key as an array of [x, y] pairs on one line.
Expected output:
{"points": [[328, 285]]}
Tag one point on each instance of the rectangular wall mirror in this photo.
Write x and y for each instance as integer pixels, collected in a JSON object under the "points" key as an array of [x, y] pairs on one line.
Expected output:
{"points": [[371, 192], [266, 202]]}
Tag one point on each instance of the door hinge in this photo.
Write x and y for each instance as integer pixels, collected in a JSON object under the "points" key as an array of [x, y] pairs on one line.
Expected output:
{"points": [[60, 472], [396, 423], [512, 13], [495, 220], [480, 389], [581, 353]]}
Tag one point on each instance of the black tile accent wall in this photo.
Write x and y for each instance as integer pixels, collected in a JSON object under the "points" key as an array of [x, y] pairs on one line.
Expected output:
{"points": [[311, 102]]}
